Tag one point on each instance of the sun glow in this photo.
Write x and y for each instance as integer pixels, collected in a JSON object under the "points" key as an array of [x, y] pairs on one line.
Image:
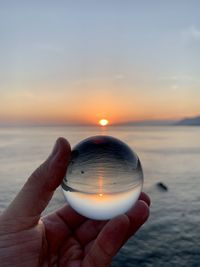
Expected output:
{"points": [[103, 122]]}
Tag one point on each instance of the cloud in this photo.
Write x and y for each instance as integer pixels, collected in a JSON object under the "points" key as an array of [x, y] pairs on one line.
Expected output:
{"points": [[97, 79], [48, 47], [119, 76], [191, 33], [178, 78], [175, 87], [179, 81]]}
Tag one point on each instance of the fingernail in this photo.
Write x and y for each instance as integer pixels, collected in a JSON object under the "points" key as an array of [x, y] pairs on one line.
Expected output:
{"points": [[55, 148], [145, 213]]}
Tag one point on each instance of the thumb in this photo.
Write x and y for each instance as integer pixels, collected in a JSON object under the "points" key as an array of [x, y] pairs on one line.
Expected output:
{"points": [[39, 188]]}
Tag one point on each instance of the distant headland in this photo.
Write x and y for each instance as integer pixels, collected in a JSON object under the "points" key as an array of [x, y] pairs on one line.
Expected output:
{"points": [[146, 123], [192, 121]]}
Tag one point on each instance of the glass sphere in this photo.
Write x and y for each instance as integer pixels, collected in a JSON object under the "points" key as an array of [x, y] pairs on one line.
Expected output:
{"points": [[104, 178]]}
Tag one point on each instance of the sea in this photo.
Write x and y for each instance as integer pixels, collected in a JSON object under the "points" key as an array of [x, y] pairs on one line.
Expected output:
{"points": [[169, 155]]}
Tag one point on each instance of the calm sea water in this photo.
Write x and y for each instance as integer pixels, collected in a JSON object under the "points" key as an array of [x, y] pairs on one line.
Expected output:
{"points": [[171, 155]]}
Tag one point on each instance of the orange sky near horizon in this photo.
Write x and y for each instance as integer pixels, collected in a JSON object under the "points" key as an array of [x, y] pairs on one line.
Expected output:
{"points": [[72, 63], [89, 106]]}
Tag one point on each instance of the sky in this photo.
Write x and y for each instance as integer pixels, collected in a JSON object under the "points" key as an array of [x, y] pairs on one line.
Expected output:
{"points": [[80, 61]]}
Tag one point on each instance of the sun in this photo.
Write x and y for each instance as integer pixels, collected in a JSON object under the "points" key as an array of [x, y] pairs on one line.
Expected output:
{"points": [[103, 122]]}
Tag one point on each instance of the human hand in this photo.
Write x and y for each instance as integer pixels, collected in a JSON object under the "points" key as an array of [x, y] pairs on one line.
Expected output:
{"points": [[63, 238]]}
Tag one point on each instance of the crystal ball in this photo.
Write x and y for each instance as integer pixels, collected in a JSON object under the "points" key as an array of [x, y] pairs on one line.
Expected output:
{"points": [[104, 178]]}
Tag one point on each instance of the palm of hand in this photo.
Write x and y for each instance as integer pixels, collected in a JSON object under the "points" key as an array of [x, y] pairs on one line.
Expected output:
{"points": [[66, 239], [51, 242]]}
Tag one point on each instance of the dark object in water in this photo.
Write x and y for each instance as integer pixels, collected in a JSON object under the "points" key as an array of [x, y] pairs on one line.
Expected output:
{"points": [[162, 186]]}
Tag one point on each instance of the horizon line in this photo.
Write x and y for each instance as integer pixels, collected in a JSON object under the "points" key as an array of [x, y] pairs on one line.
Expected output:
{"points": [[63, 124], [143, 122]]}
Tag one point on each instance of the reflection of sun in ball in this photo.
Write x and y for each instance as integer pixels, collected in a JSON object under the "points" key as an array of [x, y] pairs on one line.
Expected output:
{"points": [[103, 122]]}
